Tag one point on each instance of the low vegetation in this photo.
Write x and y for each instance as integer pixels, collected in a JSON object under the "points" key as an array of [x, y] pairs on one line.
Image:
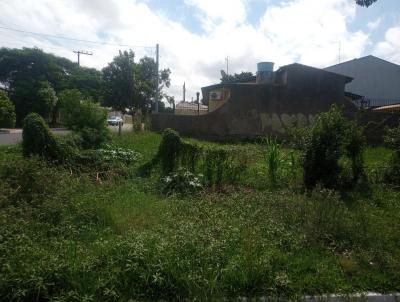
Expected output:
{"points": [[206, 221]]}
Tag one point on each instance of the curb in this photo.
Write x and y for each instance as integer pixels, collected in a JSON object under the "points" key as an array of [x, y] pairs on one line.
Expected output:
{"points": [[357, 297]]}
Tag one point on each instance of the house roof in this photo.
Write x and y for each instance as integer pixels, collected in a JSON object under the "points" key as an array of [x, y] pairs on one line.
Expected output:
{"points": [[298, 65], [374, 78]]}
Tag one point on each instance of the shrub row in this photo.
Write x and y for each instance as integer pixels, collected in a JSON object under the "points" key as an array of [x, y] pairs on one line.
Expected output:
{"points": [[218, 164]]}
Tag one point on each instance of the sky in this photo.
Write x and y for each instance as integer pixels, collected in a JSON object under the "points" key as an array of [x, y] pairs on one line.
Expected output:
{"points": [[196, 36]]}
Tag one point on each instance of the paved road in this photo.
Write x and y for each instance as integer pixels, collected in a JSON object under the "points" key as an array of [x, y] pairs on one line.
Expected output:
{"points": [[15, 135]]}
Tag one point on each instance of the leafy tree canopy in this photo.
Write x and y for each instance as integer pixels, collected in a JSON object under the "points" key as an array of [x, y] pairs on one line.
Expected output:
{"points": [[127, 84], [26, 71], [365, 3], [236, 78]]}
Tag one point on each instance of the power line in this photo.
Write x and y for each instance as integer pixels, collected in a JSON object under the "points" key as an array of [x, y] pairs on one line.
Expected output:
{"points": [[24, 43], [73, 39]]}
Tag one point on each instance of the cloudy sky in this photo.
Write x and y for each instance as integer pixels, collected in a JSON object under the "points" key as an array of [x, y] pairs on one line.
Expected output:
{"points": [[196, 36]]}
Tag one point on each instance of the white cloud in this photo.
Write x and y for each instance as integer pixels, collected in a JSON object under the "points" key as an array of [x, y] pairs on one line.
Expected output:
{"points": [[222, 11], [306, 31], [389, 48], [374, 24]]}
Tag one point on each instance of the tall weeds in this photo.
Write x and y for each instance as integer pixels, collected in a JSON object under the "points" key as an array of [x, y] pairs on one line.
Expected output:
{"points": [[274, 159]]}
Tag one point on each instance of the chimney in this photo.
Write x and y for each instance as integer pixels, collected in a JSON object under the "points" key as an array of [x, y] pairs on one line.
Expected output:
{"points": [[265, 73]]}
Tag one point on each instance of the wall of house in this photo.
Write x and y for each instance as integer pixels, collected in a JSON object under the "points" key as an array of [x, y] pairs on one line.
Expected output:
{"points": [[223, 94], [259, 110]]}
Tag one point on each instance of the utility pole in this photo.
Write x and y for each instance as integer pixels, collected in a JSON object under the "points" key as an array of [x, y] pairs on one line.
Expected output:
{"points": [[198, 102], [227, 65], [184, 91], [157, 77], [82, 52]]}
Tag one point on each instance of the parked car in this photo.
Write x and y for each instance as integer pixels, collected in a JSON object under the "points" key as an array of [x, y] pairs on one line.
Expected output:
{"points": [[115, 120]]}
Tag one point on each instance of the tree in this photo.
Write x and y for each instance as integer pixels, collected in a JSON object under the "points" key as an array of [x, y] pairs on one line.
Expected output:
{"points": [[33, 96], [119, 81], [147, 86], [7, 111], [127, 84], [236, 78], [23, 70], [365, 3]]}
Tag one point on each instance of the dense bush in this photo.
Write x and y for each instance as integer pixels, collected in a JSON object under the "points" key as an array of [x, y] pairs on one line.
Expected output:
{"points": [[85, 117], [218, 163], [392, 139], [29, 180], [37, 138], [333, 140], [7, 111]]}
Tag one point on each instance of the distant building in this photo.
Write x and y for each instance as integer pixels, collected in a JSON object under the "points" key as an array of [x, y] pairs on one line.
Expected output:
{"points": [[376, 81], [190, 108]]}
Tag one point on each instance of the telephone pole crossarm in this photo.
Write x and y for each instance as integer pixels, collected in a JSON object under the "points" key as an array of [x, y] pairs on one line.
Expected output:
{"points": [[82, 52]]}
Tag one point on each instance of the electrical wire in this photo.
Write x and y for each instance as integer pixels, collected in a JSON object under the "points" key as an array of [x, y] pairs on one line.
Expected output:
{"points": [[73, 39]]}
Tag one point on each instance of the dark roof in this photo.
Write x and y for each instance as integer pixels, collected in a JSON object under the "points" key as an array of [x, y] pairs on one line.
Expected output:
{"points": [[297, 65], [369, 57]]}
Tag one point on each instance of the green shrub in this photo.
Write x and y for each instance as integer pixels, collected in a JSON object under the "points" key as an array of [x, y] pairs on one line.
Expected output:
{"points": [[392, 172], [37, 138], [30, 180], [182, 182], [168, 152], [93, 138], [333, 139], [7, 111], [84, 117], [299, 137]]}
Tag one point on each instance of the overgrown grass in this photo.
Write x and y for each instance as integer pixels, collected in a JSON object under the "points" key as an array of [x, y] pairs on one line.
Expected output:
{"points": [[76, 239]]}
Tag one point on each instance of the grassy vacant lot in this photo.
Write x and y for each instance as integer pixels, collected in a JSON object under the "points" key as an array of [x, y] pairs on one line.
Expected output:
{"points": [[67, 237]]}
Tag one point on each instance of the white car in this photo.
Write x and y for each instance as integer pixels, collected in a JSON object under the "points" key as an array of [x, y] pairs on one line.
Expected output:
{"points": [[115, 120]]}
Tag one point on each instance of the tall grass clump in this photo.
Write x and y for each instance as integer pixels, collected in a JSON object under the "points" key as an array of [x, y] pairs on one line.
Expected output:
{"points": [[274, 159], [334, 141]]}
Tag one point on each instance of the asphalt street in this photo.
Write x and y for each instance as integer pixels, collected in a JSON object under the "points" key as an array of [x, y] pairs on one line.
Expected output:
{"points": [[15, 135]]}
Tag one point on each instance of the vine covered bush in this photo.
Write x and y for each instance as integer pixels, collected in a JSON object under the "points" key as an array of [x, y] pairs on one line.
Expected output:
{"points": [[334, 141], [7, 111], [218, 164], [37, 138]]}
